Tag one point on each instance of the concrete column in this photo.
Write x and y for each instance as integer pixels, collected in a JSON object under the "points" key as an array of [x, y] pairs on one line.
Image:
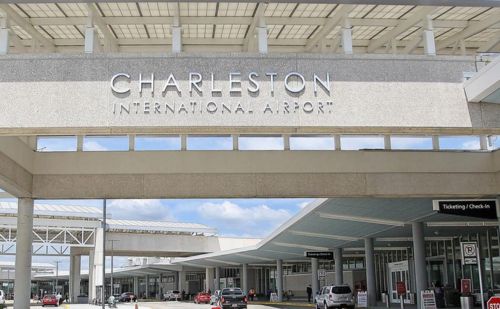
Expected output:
{"points": [[257, 280], [279, 279], [217, 278], [339, 267], [314, 276], [209, 276], [370, 272], [75, 278], [147, 286], [419, 258], [244, 278], [24, 239], [4, 37], [92, 44], [91, 291], [136, 286]]}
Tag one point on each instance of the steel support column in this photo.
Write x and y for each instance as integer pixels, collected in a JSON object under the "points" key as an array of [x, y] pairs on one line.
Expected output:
{"points": [[419, 259], [217, 278], [244, 278], [279, 279], [314, 276], [339, 266], [370, 272]]}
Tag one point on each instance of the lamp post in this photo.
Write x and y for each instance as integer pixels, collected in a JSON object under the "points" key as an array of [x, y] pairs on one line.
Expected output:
{"points": [[112, 241], [57, 276]]}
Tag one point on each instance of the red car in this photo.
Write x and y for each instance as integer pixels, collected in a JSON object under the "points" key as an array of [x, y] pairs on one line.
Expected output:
{"points": [[202, 298], [49, 300]]}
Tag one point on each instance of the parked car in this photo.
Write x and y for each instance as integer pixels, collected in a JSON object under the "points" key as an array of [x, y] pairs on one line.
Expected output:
{"points": [[127, 297], [335, 296], [2, 297], [214, 298], [172, 295], [202, 298], [50, 300], [233, 298]]}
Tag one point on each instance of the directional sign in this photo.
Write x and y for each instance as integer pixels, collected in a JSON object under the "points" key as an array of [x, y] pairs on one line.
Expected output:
{"points": [[321, 273], [428, 299], [485, 209], [493, 303], [322, 255], [469, 252]]}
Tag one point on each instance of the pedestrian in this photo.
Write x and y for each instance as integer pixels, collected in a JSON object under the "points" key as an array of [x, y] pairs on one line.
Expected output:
{"points": [[59, 299], [251, 294], [183, 295], [309, 291]]}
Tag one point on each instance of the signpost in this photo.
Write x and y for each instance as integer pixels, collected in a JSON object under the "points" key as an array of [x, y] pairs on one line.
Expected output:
{"points": [[321, 273], [494, 303], [470, 256], [401, 289], [321, 255]]}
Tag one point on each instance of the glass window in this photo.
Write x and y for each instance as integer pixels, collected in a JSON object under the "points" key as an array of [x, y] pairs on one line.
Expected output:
{"points": [[157, 142], [209, 142], [312, 143], [261, 143], [341, 290], [459, 142], [105, 143], [494, 142], [56, 143], [358, 142], [411, 142]]}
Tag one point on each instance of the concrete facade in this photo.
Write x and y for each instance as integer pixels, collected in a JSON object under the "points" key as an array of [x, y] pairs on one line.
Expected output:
{"points": [[372, 84]]}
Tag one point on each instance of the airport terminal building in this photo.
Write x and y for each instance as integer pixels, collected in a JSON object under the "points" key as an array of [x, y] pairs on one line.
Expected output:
{"points": [[387, 112]]}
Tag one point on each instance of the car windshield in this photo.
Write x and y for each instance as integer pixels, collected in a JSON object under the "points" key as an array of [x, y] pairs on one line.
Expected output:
{"points": [[341, 290], [232, 292]]}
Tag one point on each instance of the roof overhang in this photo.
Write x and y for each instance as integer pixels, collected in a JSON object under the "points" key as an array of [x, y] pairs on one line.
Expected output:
{"points": [[485, 85]]}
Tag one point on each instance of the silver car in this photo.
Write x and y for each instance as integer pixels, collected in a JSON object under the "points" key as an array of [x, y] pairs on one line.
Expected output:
{"points": [[335, 296]]}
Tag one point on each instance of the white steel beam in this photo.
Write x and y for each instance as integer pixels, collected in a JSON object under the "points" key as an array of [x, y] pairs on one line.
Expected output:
{"points": [[4, 36], [230, 20], [428, 37], [92, 43], [347, 37], [469, 31], [403, 26], [176, 31], [490, 44], [20, 21], [340, 14], [258, 21], [359, 219], [110, 42]]}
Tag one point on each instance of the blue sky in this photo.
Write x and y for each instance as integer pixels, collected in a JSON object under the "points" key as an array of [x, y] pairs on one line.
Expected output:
{"points": [[241, 217]]}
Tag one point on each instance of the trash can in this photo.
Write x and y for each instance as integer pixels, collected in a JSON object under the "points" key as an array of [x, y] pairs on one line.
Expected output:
{"points": [[466, 302]]}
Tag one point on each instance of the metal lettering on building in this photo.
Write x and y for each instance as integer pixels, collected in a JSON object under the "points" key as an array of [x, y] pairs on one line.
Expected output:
{"points": [[233, 93]]}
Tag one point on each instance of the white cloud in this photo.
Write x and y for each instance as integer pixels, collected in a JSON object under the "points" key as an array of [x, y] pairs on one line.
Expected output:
{"points": [[358, 142], [140, 210], [254, 221], [303, 205], [261, 143], [312, 143], [94, 146]]}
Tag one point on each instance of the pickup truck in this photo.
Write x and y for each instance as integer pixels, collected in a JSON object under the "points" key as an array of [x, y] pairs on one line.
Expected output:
{"points": [[232, 298]]}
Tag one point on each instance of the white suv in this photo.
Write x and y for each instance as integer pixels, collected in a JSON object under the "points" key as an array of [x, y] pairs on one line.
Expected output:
{"points": [[335, 296]]}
